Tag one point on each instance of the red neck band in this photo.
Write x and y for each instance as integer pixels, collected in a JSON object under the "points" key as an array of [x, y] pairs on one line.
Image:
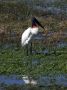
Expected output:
{"points": [[34, 25]]}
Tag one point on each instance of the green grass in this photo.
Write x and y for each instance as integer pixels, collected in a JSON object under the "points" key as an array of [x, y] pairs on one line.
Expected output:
{"points": [[14, 61]]}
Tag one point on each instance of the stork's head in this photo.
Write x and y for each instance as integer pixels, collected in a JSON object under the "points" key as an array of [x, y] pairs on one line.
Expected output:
{"points": [[36, 23]]}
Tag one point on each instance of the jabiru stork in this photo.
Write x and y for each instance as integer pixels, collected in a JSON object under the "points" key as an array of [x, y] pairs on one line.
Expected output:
{"points": [[30, 32]]}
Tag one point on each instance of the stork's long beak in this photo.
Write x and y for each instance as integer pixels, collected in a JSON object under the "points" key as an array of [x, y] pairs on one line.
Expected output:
{"points": [[34, 20]]}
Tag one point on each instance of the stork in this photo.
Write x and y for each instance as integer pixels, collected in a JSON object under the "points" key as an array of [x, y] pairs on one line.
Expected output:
{"points": [[28, 34]]}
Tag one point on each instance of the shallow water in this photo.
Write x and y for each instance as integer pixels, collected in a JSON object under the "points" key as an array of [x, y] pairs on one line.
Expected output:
{"points": [[59, 80], [10, 80], [15, 82]]}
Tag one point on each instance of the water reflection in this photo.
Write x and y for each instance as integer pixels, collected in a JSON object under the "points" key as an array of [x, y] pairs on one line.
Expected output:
{"points": [[42, 80]]}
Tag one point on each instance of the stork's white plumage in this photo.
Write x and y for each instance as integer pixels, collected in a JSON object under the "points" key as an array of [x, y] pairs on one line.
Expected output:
{"points": [[30, 32]]}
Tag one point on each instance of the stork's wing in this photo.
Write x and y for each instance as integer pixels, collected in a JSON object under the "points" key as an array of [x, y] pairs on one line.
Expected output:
{"points": [[26, 36]]}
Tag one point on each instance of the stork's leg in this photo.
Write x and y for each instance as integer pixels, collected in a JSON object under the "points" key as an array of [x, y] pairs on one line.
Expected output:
{"points": [[27, 49], [30, 47]]}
